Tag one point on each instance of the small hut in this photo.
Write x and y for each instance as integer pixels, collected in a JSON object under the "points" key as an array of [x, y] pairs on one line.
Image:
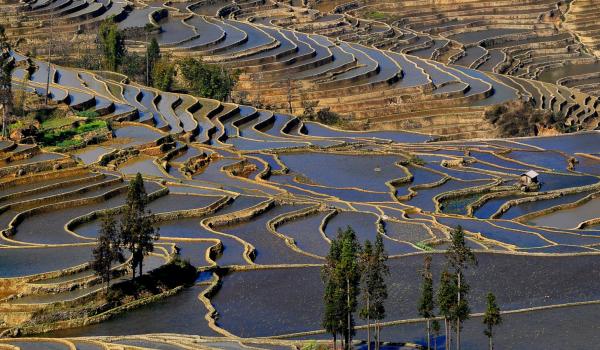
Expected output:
{"points": [[529, 178]]}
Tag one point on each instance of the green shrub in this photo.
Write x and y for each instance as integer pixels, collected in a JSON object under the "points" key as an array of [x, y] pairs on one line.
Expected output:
{"points": [[376, 15], [207, 80], [416, 160], [88, 114], [69, 143], [176, 273], [60, 137], [424, 246], [327, 117], [163, 74]]}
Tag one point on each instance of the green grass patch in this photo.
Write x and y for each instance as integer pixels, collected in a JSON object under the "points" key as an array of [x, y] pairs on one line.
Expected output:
{"points": [[376, 15], [88, 114], [426, 247], [59, 122], [69, 143], [64, 138]]}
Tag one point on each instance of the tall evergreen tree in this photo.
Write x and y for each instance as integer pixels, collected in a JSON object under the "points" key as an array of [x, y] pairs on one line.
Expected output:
{"points": [[491, 318], [152, 56], [112, 44], [333, 297], [367, 261], [349, 272], [460, 256], [446, 299], [380, 293], [137, 224], [107, 250], [427, 299]]}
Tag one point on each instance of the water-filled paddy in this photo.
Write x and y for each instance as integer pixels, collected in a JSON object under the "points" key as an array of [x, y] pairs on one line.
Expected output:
{"points": [[270, 249], [182, 313], [534, 281], [28, 261], [348, 171], [365, 226], [366, 172], [569, 218], [306, 234]]}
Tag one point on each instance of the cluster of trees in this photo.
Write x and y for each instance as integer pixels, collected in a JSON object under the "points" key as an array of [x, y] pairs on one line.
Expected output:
{"points": [[520, 118], [159, 70], [354, 279], [207, 80], [139, 67], [351, 271], [135, 233], [451, 298]]}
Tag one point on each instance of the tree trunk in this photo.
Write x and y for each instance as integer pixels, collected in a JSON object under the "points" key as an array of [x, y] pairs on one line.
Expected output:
{"points": [[368, 325], [349, 337], [4, 117], [458, 318], [491, 343], [141, 264], [428, 335], [147, 62], [108, 279], [447, 333], [378, 335], [334, 342]]}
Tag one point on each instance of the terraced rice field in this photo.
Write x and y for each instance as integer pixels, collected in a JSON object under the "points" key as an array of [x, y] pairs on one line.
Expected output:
{"points": [[383, 72], [252, 197], [283, 213]]}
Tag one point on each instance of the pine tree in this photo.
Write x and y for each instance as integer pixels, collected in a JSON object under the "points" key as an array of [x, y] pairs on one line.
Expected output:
{"points": [[427, 300], [446, 299], [107, 250], [460, 256], [379, 294], [349, 273], [152, 56], [112, 44], [137, 224], [333, 296], [491, 318], [367, 265]]}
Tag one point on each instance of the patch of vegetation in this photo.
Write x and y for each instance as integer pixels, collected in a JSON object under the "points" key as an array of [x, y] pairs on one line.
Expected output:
{"points": [[376, 15], [416, 160], [111, 44], [207, 80], [424, 246], [163, 74], [62, 138], [324, 115], [88, 114], [173, 274], [519, 118]]}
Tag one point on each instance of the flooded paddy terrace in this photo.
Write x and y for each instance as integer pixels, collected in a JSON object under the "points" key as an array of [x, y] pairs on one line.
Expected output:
{"points": [[255, 206]]}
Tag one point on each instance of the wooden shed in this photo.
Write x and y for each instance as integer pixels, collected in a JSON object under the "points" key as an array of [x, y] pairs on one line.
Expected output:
{"points": [[529, 178]]}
